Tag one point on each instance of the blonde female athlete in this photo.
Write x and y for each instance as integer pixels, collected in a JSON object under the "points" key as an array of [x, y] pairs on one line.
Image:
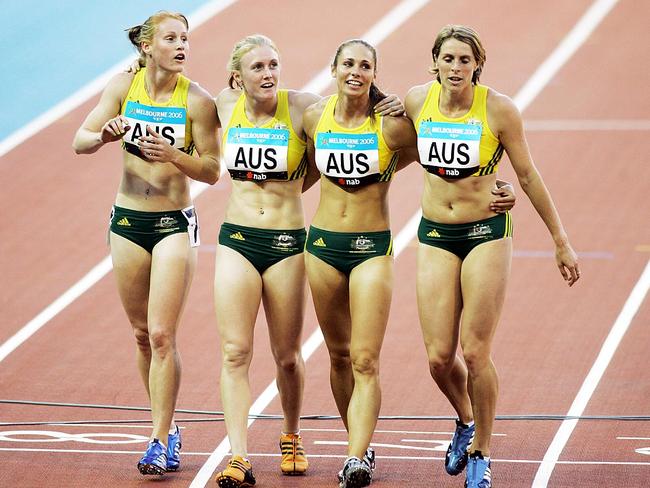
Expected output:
{"points": [[260, 253], [466, 247], [167, 127], [349, 247]]}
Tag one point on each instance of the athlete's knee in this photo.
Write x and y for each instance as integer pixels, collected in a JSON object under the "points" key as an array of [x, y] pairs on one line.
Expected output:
{"points": [[365, 363], [340, 359], [162, 341], [289, 362], [236, 355], [440, 362], [477, 358], [142, 339]]}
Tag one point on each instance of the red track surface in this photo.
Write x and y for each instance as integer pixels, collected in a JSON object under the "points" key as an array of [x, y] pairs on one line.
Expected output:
{"points": [[549, 335]]}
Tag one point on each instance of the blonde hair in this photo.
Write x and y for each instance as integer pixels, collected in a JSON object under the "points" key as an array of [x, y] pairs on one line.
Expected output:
{"points": [[464, 34], [146, 31], [241, 48]]}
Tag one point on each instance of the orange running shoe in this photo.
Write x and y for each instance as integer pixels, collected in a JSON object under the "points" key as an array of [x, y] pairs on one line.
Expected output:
{"points": [[294, 460], [238, 474]]}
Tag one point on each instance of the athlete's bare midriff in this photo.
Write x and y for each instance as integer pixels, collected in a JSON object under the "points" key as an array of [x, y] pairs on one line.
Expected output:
{"points": [[457, 201], [152, 187], [268, 205], [362, 210]]}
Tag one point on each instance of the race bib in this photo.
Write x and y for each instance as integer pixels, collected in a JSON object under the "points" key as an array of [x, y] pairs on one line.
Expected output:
{"points": [[257, 154], [449, 150], [348, 159], [169, 122]]}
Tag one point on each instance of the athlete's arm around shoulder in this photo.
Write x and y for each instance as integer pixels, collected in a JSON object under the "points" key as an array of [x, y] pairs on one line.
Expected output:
{"points": [[104, 122], [310, 119], [203, 113], [413, 103], [506, 123], [414, 100], [298, 103]]}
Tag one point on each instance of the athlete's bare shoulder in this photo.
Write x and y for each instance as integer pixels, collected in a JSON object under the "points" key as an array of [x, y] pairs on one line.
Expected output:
{"points": [[415, 98], [312, 114], [301, 100], [502, 111], [228, 95]]}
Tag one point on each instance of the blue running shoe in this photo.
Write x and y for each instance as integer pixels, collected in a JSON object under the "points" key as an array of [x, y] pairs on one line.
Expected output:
{"points": [[456, 458], [479, 474], [154, 461], [174, 445]]}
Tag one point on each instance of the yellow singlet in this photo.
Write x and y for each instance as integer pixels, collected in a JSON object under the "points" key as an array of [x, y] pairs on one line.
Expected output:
{"points": [[457, 147], [272, 151], [352, 157], [168, 119]]}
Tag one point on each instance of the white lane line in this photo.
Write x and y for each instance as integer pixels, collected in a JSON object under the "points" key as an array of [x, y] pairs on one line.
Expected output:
{"points": [[64, 107], [590, 383], [386, 26], [567, 47], [75, 291]]}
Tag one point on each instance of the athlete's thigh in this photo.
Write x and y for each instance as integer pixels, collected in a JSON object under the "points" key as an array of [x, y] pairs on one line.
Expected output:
{"points": [[439, 297], [172, 268], [284, 302], [132, 269], [484, 277], [237, 296], [329, 290], [371, 290]]}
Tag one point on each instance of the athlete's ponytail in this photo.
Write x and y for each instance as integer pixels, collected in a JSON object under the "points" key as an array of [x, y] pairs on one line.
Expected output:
{"points": [[145, 32], [376, 96]]}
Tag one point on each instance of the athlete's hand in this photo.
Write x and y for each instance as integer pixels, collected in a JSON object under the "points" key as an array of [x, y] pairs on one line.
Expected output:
{"points": [[155, 147], [504, 199], [567, 262], [391, 105], [114, 129], [134, 67]]}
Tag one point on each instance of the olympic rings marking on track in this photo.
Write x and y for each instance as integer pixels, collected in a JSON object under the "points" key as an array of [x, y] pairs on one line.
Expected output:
{"points": [[53, 436]]}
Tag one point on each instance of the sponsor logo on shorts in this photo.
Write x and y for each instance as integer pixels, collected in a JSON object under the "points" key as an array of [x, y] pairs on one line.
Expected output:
{"points": [[319, 242], [362, 244], [166, 222], [124, 222], [284, 242], [433, 233], [479, 230], [237, 236]]}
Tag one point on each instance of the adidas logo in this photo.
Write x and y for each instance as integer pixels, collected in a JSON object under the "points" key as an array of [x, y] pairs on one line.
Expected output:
{"points": [[237, 236], [124, 222], [319, 242], [433, 233]]}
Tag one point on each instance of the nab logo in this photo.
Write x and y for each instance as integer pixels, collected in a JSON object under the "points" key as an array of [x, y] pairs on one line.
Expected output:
{"points": [[259, 177], [249, 175], [452, 172], [349, 182]]}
